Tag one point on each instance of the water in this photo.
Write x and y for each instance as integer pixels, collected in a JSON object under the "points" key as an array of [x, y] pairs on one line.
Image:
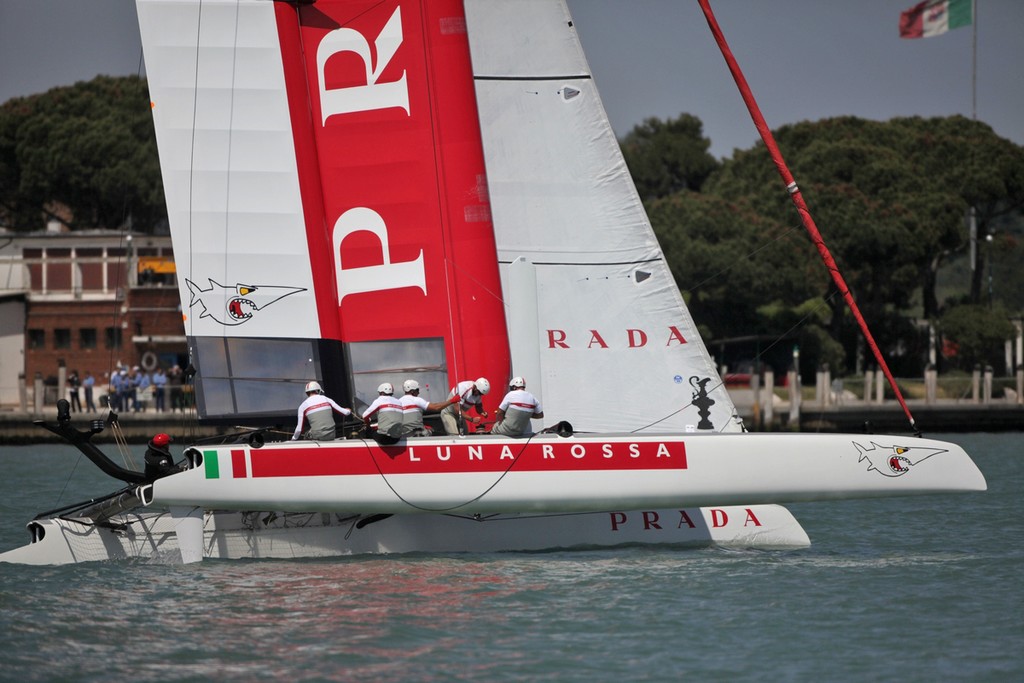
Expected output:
{"points": [[912, 589]]}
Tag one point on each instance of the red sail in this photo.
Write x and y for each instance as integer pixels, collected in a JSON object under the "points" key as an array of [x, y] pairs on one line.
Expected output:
{"points": [[392, 175]]}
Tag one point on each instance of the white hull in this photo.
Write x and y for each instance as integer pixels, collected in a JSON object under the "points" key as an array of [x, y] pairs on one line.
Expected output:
{"points": [[150, 534], [547, 473], [490, 494]]}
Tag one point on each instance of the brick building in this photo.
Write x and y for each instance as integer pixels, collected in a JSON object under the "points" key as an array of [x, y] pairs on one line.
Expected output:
{"points": [[87, 301]]}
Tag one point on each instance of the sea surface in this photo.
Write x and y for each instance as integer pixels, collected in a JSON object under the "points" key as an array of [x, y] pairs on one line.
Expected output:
{"points": [[924, 588]]}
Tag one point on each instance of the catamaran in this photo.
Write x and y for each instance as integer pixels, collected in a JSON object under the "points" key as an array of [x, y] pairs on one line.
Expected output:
{"points": [[365, 192]]}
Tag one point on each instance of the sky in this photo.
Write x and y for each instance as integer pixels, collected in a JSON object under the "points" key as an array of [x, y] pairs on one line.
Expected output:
{"points": [[804, 60]]}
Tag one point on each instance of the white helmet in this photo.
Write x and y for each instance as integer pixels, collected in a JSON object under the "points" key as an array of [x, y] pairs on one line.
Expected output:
{"points": [[482, 385], [386, 388], [517, 383], [313, 386], [410, 385]]}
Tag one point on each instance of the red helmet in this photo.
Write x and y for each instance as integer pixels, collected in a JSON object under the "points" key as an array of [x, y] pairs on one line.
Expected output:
{"points": [[161, 440]]}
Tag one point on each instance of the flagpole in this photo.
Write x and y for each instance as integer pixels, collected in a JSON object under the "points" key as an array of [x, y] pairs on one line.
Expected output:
{"points": [[974, 60], [973, 225]]}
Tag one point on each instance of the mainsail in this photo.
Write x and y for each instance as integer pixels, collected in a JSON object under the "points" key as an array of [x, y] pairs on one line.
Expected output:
{"points": [[327, 198], [596, 317], [331, 211]]}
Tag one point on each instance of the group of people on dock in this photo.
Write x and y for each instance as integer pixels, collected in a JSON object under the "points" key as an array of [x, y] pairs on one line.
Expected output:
{"points": [[397, 418], [130, 389]]}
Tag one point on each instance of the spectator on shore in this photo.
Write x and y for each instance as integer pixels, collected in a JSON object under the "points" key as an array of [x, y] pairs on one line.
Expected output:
{"points": [[159, 390], [89, 384], [73, 396]]}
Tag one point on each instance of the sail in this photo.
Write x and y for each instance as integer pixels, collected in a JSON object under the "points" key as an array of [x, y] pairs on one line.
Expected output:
{"points": [[597, 323], [327, 198]]}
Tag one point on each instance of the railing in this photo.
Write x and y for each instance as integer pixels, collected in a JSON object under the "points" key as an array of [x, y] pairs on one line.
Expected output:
{"points": [[760, 398]]}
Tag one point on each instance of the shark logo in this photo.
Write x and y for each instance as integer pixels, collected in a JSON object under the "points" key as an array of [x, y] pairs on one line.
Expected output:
{"points": [[894, 461], [240, 302]]}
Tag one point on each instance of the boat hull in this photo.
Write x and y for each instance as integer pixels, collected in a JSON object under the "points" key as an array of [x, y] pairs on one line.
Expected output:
{"points": [[548, 473], [151, 535]]}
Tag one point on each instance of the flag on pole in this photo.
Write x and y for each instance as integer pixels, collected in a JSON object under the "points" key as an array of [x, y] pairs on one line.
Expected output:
{"points": [[935, 17]]}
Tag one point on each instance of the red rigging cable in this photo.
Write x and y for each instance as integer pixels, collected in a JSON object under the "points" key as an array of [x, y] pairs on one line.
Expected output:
{"points": [[798, 200]]}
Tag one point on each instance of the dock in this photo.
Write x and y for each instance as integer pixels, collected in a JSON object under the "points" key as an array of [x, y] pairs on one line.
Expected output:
{"points": [[18, 428]]}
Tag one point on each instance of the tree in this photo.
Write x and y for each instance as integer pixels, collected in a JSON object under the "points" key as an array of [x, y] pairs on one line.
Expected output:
{"points": [[977, 333], [668, 156], [729, 260], [90, 148], [890, 199]]}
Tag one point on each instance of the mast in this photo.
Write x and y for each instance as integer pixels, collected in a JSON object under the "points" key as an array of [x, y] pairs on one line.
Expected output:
{"points": [[798, 201]]}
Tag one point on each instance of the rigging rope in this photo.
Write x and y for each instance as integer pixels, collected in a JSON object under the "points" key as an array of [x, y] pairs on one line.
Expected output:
{"points": [[798, 201]]}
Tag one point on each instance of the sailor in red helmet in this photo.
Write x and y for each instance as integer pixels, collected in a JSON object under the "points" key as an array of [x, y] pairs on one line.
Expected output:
{"points": [[159, 461]]}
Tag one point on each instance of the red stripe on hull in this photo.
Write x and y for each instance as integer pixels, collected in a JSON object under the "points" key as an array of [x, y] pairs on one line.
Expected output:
{"points": [[238, 467], [304, 461]]}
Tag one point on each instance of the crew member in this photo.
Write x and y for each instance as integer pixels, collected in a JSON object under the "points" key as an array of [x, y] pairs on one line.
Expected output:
{"points": [[159, 461], [413, 408], [512, 418], [471, 395], [388, 412], [318, 412]]}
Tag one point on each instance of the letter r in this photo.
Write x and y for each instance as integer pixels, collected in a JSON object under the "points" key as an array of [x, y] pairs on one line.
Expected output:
{"points": [[373, 95]]}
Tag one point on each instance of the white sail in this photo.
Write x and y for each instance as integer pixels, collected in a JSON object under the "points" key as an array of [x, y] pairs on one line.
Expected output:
{"points": [[227, 155], [618, 349]]}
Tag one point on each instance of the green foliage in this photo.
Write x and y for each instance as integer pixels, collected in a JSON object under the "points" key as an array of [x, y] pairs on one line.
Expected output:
{"points": [[728, 261], [978, 333], [89, 147], [668, 156], [890, 199]]}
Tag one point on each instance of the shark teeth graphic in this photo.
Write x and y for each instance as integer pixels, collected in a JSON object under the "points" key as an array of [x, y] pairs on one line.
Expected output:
{"points": [[236, 310], [894, 461], [236, 304]]}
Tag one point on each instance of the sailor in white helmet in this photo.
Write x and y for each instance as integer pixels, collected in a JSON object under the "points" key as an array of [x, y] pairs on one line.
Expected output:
{"points": [[318, 412], [387, 411], [512, 418], [471, 395], [413, 408]]}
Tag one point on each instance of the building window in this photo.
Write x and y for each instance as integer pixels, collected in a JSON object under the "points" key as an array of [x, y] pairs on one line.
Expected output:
{"points": [[36, 339], [113, 337], [87, 338], [62, 338]]}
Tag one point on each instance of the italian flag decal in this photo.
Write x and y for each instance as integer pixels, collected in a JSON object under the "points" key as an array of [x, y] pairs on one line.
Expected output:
{"points": [[233, 464]]}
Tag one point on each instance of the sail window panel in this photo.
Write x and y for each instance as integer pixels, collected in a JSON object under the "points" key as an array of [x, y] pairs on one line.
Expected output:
{"points": [[211, 357], [395, 361], [278, 358], [213, 397], [252, 376], [224, 398], [527, 37]]}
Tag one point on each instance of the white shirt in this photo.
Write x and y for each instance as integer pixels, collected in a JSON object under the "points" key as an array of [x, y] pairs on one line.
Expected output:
{"points": [[314, 404], [467, 399]]}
